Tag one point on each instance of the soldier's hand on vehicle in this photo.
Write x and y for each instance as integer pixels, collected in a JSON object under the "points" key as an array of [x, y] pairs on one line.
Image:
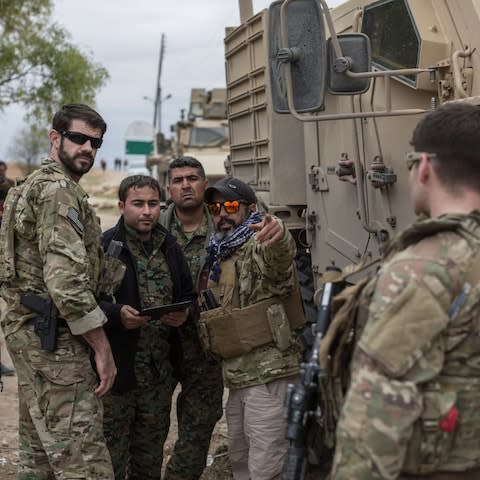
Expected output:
{"points": [[131, 318], [175, 318], [268, 230]]}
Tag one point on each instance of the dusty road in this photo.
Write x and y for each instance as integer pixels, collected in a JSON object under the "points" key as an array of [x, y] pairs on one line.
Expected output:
{"points": [[102, 187]]}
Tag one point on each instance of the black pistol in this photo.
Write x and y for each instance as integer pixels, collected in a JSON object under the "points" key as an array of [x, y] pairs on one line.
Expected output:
{"points": [[45, 323]]}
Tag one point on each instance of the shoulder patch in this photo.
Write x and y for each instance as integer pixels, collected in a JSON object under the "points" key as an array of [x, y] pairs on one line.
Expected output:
{"points": [[73, 216]]}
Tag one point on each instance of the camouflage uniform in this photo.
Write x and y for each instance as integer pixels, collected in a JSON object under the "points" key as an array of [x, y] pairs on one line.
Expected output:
{"points": [[50, 244], [413, 407], [199, 404], [257, 446], [137, 420]]}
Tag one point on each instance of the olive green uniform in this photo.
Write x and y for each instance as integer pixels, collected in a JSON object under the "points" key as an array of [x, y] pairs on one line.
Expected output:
{"points": [[199, 404]]}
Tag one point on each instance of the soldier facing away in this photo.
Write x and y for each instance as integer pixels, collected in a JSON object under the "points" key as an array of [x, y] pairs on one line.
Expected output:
{"points": [[413, 407], [50, 248], [199, 404]]}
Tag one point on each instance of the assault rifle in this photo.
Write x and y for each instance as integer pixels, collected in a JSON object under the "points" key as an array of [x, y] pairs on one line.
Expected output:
{"points": [[45, 323], [301, 405]]}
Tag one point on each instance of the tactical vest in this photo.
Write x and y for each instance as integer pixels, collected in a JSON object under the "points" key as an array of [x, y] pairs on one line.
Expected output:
{"points": [[450, 399], [30, 261], [230, 330]]}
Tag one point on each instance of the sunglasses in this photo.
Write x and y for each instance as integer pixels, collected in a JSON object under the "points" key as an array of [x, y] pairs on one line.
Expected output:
{"points": [[414, 157], [81, 138], [230, 206]]}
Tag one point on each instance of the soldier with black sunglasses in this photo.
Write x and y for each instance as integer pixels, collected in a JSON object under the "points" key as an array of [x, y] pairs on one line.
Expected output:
{"points": [[51, 255]]}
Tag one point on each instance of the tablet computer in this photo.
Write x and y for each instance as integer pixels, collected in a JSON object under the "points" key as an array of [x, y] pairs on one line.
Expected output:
{"points": [[157, 312]]}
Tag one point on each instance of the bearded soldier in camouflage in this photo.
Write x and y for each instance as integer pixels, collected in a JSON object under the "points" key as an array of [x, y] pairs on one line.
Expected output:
{"points": [[199, 404], [253, 308], [50, 246], [413, 407], [137, 411]]}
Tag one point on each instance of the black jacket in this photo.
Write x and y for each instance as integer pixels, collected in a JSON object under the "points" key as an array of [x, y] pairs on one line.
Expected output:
{"points": [[123, 341]]}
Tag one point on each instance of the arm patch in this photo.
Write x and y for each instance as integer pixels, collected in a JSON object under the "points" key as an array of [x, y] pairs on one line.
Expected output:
{"points": [[73, 216]]}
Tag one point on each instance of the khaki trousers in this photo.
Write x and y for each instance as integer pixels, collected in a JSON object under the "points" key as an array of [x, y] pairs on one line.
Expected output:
{"points": [[256, 430]]}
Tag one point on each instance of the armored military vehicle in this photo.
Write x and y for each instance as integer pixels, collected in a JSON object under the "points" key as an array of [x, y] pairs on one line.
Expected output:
{"points": [[321, 106], [203, 135]]}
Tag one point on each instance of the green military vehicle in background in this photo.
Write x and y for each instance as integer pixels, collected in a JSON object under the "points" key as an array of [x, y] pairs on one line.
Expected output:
{"points": [[321, 105], [203, 134]]}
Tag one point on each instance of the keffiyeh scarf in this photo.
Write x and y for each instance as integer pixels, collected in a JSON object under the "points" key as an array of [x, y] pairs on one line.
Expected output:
{"points": [[218, 250]]}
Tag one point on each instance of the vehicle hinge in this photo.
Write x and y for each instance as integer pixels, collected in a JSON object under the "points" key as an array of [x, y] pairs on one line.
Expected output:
{"points": [[379, 174], [318, 180], [382, 179]]}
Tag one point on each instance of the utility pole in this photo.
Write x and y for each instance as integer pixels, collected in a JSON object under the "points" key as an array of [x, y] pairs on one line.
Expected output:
{"points": [[157, 113]]}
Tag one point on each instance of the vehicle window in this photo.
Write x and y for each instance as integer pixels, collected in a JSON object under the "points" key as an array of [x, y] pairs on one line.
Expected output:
{"points": [[393, 35], [203, 136]]}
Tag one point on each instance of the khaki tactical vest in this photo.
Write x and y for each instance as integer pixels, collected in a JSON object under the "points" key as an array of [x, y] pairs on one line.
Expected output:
{"points": [[230, 331]]}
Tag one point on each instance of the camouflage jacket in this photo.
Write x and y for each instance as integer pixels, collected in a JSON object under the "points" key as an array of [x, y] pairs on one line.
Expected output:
{"points": [[50, 244], [194, 246], [414, 401], [262, 273]]}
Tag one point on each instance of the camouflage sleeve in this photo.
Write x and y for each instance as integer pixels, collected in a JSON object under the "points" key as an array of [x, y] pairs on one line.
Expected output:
{"points": [[277, 260], [400, 348], [66, 266]]}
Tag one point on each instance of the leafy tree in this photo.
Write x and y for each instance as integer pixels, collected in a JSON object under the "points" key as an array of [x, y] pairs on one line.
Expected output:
{"points": [[39, 66], [29, 145]]}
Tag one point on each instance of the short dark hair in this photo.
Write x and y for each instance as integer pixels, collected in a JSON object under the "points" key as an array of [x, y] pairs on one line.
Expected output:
{"points": [[3, 164], [452, 132], [137, 181], [182, 162], [78, 111]]}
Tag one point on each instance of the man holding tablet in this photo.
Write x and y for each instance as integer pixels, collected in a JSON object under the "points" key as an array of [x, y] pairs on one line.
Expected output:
{"points": [[152, 296]]}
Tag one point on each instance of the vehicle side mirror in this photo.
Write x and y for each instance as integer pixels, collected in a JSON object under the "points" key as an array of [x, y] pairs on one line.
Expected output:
{"points": [[356, 57], [306, 54]]}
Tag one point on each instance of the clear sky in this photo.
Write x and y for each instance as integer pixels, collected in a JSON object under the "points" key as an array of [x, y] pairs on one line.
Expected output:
{"points": [[124, 36]]}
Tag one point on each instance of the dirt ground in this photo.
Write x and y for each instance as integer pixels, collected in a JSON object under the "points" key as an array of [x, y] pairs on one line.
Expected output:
{"points": [[102, 189]]}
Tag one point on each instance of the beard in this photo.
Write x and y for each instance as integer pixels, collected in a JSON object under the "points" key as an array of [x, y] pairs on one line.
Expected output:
{"points": [[221, 234], [69, 161]]}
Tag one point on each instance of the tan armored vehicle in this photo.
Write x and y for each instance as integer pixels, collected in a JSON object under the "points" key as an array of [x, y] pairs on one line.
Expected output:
{"points": [[203, 135], [322, 104]]}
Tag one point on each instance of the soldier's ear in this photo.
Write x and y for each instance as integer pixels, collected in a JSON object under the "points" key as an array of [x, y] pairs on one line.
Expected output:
{"points": [[252, 207], [425, 169], [55, 138], [121, 206]]}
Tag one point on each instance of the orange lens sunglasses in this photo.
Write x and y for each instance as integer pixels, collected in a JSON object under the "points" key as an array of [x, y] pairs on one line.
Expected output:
{"points": [[230, 206]]}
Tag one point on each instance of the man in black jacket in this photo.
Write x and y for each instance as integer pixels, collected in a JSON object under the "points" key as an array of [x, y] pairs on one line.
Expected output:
{"points": [[137, 411]]}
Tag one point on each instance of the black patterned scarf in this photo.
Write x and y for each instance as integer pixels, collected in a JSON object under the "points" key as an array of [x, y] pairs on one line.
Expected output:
{"points": [[218, 250]]}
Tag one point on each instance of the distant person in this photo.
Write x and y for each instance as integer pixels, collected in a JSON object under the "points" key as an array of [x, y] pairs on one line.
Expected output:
{"points": [[52, 268], [117, 164], [199, 404], [125, 164], [5, 185], [137, 411], [103, 165], [251, 324]]}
